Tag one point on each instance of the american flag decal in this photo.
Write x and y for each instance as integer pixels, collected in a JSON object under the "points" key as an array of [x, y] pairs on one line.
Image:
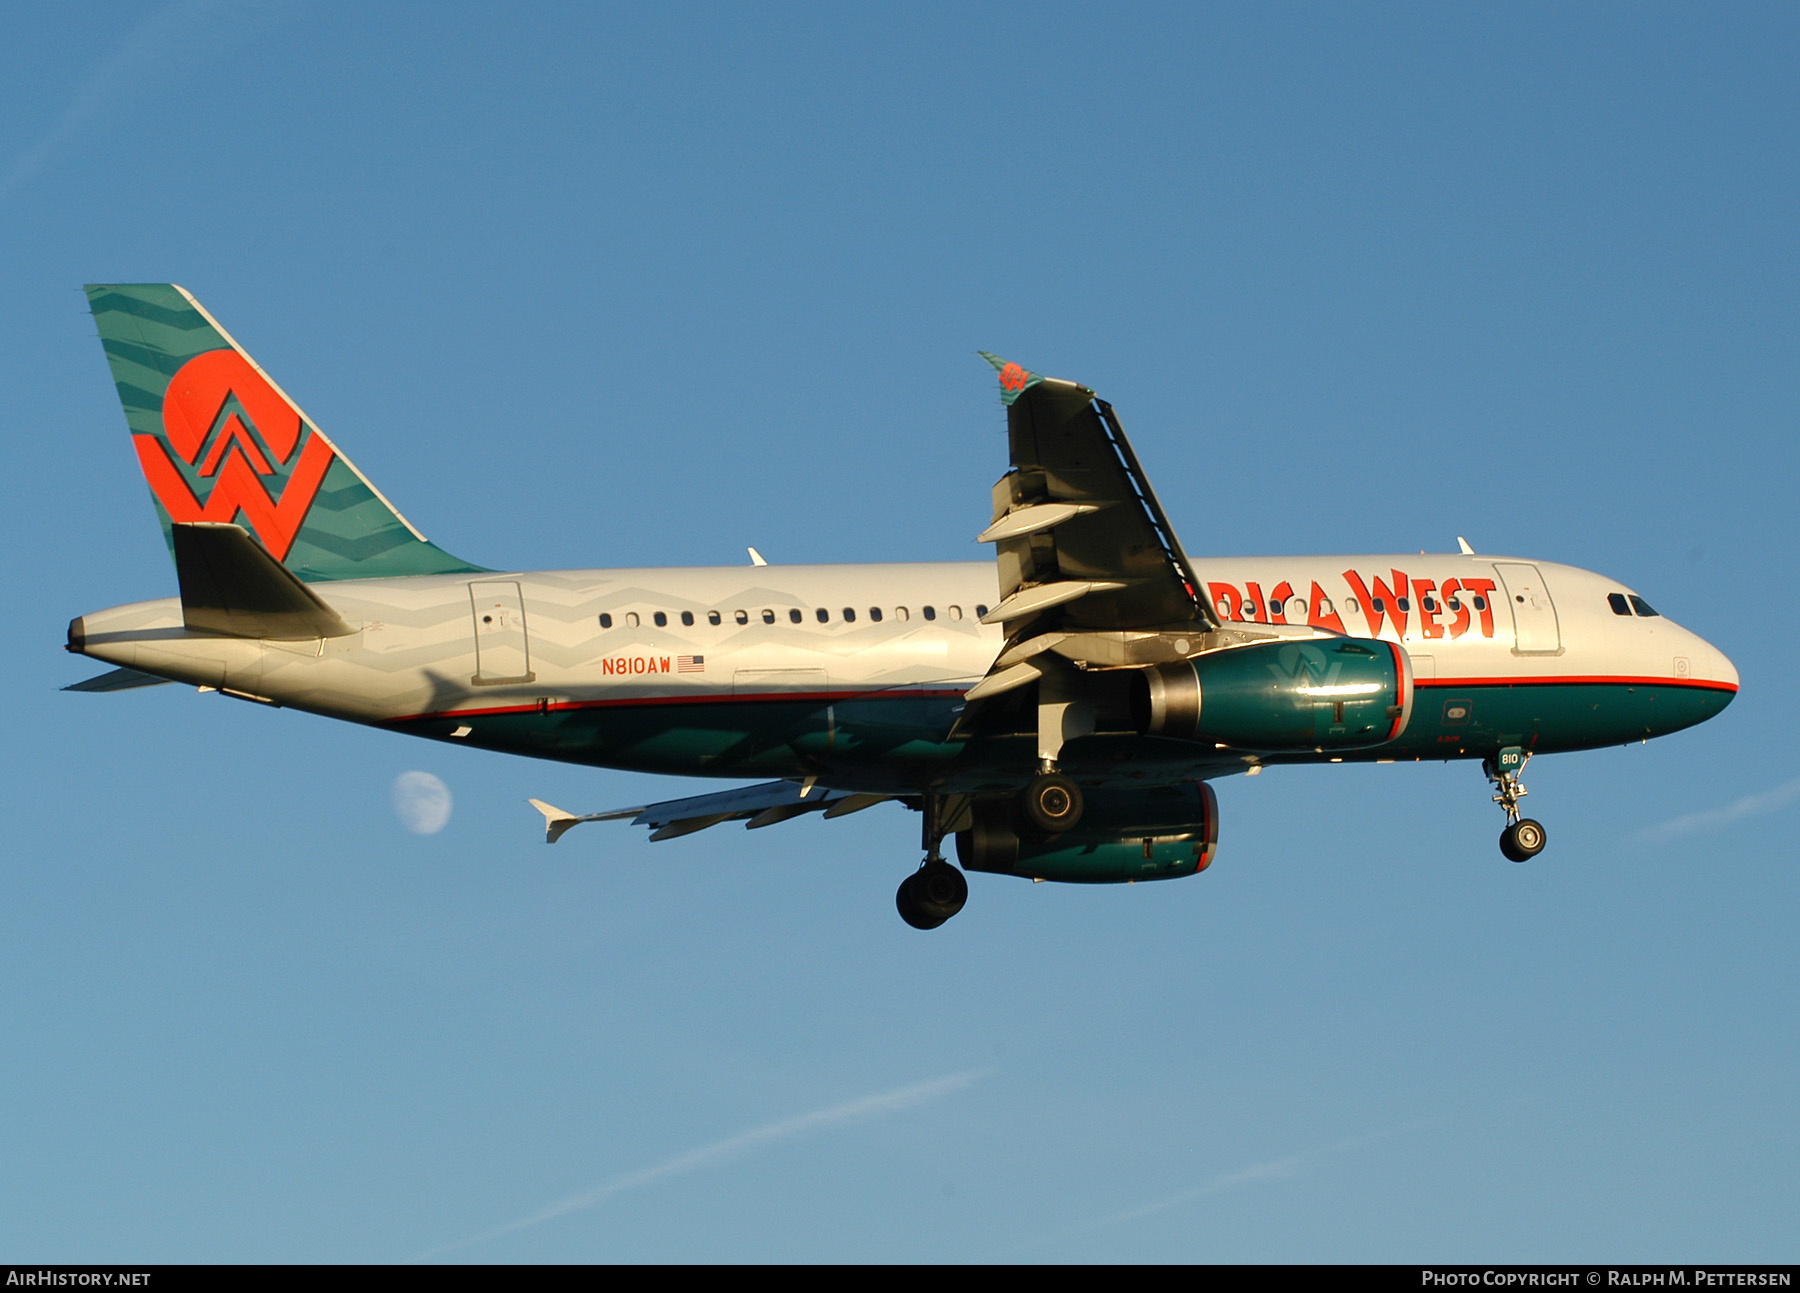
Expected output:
{"points": [[690, 664]]}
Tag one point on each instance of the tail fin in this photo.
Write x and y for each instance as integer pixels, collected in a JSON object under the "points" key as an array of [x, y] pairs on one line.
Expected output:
{"points": [[219, 441]]}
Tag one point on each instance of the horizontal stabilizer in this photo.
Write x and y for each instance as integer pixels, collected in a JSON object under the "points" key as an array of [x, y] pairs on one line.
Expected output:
{"points": [[232, 587], [117, 680], [556, 821], [764, 805]]}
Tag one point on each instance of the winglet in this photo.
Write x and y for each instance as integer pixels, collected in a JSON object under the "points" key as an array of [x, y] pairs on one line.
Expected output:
{"points": [[1014, 380], [556, 821]]}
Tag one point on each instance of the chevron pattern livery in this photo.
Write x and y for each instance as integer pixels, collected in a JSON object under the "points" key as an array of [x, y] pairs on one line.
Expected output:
{"points": [[219, 441]]}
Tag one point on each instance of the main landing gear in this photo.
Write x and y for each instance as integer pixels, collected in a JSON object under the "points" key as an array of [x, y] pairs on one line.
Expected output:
{"points": [[936, 891], [932, 894], [1523, 838], [1050, 804]]}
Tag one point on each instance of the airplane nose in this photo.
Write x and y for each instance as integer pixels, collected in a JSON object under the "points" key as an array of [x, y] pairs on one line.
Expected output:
{"points": [[1713, 666], [1726, 671]]}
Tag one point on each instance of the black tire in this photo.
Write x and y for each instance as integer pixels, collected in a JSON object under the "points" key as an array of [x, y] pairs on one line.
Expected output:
{"points": [[932, 895], [1529, 837], [1523, 840], [911, 910], [941, 887], [1051, 804]]}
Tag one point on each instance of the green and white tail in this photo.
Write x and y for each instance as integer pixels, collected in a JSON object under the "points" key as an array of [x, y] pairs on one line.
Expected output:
{"points": [[219, 441]]}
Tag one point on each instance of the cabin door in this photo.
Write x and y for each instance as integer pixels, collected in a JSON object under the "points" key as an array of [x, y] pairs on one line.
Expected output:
{"points": [[502, 652], [1534, 614]]}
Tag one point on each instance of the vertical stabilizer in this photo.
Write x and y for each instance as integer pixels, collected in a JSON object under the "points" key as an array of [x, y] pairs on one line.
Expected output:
{"points": [[219, 441]]}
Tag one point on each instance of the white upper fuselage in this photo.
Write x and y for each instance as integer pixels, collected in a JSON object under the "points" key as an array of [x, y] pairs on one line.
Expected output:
{"points": [[422, 645]]}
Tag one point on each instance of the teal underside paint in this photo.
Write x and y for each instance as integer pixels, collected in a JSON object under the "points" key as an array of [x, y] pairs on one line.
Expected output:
{"points": [[1547, 717], [1114, 861], [890, 742]]}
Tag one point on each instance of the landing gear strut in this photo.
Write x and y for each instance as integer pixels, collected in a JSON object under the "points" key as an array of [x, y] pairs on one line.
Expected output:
{"points": [[1523, 838], [936, 891]]}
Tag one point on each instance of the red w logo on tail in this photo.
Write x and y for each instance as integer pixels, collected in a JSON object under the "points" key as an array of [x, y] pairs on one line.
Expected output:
{"points": [[194, 414]]}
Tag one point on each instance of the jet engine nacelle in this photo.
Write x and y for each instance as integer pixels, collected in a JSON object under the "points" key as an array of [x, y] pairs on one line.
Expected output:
{"points": [[1158, 834], [1320, 694]]}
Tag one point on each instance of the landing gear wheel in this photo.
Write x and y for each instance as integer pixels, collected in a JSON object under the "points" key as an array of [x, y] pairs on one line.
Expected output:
{"points": [[1051, 804], [1522, 840], [931, 895]]}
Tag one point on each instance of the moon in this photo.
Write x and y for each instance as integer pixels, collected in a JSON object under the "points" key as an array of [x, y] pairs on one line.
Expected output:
{"points": [[421, 802]]}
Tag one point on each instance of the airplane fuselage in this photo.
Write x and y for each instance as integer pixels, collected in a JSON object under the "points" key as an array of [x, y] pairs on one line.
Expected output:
{"points": [[857, 673]]}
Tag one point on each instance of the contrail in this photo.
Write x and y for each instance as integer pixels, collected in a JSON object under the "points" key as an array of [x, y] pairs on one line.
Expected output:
{"points": [[838, 1115], [1256, 1173], [168, 28], [1769, 801]]}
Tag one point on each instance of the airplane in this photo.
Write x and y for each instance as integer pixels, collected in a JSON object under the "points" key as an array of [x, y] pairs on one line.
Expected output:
{"points": [[1059, 712]]}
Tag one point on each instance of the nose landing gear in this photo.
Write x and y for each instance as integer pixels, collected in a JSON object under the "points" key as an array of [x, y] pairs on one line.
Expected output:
{"points": [[1523, 838]]}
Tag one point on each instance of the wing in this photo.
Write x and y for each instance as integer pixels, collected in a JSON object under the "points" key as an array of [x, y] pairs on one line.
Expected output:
{"points": [[1077, 527], [763, 805], [1089, 565]]}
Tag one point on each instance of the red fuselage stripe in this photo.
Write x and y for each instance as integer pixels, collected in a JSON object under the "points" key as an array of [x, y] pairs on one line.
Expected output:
{"points": [[707, 698], [832, 697], [1602, 680]]}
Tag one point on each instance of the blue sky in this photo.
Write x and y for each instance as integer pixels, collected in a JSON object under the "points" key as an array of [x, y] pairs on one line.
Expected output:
{"points": [[589, 286]]}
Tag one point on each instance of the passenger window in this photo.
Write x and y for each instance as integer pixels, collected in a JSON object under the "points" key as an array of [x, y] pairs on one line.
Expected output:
{"points": [[768, 616], [1379, 604], [980, 611], [662, 621], [794, 616], [606, 620], [1349, 604], [875, 614], [1618, 603], [712, 617], [1480, 602], [687, 618], [956, 612], [1325, 605], [849, 614], [1641, 606], [930, 612], [1429, 603], [742, 617], [824, 615], [631, 619], [899, 612]]}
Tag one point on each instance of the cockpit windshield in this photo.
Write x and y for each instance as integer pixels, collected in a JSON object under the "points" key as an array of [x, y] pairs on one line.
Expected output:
{"points": [[1641, 606]]}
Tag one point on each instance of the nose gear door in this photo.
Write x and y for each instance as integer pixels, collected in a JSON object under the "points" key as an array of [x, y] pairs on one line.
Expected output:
{"points": [[502, 651], [1534, 614]]}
